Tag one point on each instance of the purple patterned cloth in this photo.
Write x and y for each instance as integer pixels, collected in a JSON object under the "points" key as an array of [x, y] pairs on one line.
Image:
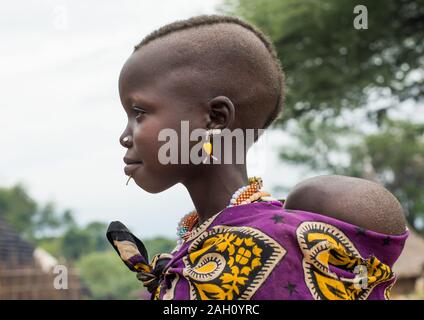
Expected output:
{"points": [[263, 251]]}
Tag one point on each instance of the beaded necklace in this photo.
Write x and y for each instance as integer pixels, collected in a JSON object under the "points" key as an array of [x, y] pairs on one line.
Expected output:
{"points": [[244, 195]]}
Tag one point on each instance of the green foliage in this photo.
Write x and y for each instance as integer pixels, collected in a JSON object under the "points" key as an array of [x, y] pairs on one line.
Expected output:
{"points": [[29, 218], [159, 245], [396, 156], [333, 71], [76, 243], [321, 144], [69, 240], [52, 245], [106, 277], [330, 66], [18, 209], [100, 268], [97, 231]]}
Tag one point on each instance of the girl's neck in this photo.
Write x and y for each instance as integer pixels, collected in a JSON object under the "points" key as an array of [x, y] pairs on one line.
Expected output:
{"points": [[211, 190]]}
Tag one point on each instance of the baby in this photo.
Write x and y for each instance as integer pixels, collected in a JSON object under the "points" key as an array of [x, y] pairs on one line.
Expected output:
{"points": [[335, 238], [357, 201]]}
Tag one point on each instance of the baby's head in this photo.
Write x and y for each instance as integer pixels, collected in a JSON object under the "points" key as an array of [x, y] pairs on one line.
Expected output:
{"points": [[213, 71]]}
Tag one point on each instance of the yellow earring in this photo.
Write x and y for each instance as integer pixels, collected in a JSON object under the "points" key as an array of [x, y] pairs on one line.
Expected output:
{"points": [[207, 146]]}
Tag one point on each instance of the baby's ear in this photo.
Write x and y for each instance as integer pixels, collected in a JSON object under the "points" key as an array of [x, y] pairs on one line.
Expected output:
{"points": [[221, 112]]}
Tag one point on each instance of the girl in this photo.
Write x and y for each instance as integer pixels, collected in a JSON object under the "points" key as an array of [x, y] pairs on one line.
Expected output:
{"points": [[221, 75]]}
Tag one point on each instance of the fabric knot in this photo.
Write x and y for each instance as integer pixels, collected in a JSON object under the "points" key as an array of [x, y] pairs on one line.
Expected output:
{"points": [[134, 254]]}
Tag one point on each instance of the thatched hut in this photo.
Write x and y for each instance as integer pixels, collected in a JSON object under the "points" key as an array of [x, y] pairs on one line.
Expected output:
{"points": [[27, 272], [410, 267]]}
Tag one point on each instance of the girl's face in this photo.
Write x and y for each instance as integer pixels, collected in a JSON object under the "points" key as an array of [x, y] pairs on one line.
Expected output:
{"points": [[156, 93]]}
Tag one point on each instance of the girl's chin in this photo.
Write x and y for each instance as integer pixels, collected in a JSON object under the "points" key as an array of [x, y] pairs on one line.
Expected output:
{"points": [[148, 187]]}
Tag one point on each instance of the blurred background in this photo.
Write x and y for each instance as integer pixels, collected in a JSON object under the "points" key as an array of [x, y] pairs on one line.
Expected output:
{"points": [[354, 106]]}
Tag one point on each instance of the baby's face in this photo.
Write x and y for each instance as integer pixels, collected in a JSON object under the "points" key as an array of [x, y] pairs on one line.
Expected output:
{"points": [[157, 93]]}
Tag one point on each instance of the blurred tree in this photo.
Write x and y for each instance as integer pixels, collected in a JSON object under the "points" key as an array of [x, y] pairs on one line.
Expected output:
{"points": [[47, 219], [68, 220], [159, 245], [107, 277], [73, 241], [393, 156], [334, 70], [18, 209], [27, 217], [76, 242], [97, 231], [329, 65], [84, 245], [52, 245]]}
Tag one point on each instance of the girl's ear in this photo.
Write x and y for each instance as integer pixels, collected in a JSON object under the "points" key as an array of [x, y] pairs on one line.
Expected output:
{"points": [[221, 113]]}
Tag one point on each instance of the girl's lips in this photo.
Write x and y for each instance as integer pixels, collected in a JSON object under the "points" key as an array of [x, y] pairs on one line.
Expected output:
{"points": [[130, 169]]}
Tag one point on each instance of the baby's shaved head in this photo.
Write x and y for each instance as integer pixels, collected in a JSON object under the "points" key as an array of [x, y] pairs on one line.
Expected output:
{"points": [[230, 58], [358, 201]]}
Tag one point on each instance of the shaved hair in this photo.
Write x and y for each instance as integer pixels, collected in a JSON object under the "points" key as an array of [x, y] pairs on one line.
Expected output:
{"points": [[361, 202], [234, 58]]}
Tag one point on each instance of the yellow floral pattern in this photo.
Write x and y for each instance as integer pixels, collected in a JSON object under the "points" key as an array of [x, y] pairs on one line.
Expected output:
{"points": [[226, 263], [325, 249]]}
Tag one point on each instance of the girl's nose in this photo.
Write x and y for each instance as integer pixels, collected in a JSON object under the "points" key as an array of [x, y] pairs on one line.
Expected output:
{"points": [[126, 141]]}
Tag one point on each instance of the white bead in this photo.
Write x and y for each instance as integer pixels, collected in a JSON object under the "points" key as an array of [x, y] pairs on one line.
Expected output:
{"points": [[233, 200]]}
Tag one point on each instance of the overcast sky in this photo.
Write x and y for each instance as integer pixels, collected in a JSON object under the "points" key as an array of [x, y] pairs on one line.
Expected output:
{"points": [[61, 117]]}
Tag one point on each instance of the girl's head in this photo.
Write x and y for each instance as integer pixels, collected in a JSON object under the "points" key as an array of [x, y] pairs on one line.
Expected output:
{"points": [[213, 71]]}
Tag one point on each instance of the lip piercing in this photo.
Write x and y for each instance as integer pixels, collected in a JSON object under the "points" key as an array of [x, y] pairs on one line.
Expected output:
{"points": [[126, 139], [128, 180]]}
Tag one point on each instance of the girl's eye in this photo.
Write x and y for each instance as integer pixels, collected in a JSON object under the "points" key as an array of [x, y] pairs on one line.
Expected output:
{"points": [[138, 112]]}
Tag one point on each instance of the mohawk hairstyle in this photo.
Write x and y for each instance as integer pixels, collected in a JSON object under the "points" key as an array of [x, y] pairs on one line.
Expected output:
{"points": [[208, 20]]}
